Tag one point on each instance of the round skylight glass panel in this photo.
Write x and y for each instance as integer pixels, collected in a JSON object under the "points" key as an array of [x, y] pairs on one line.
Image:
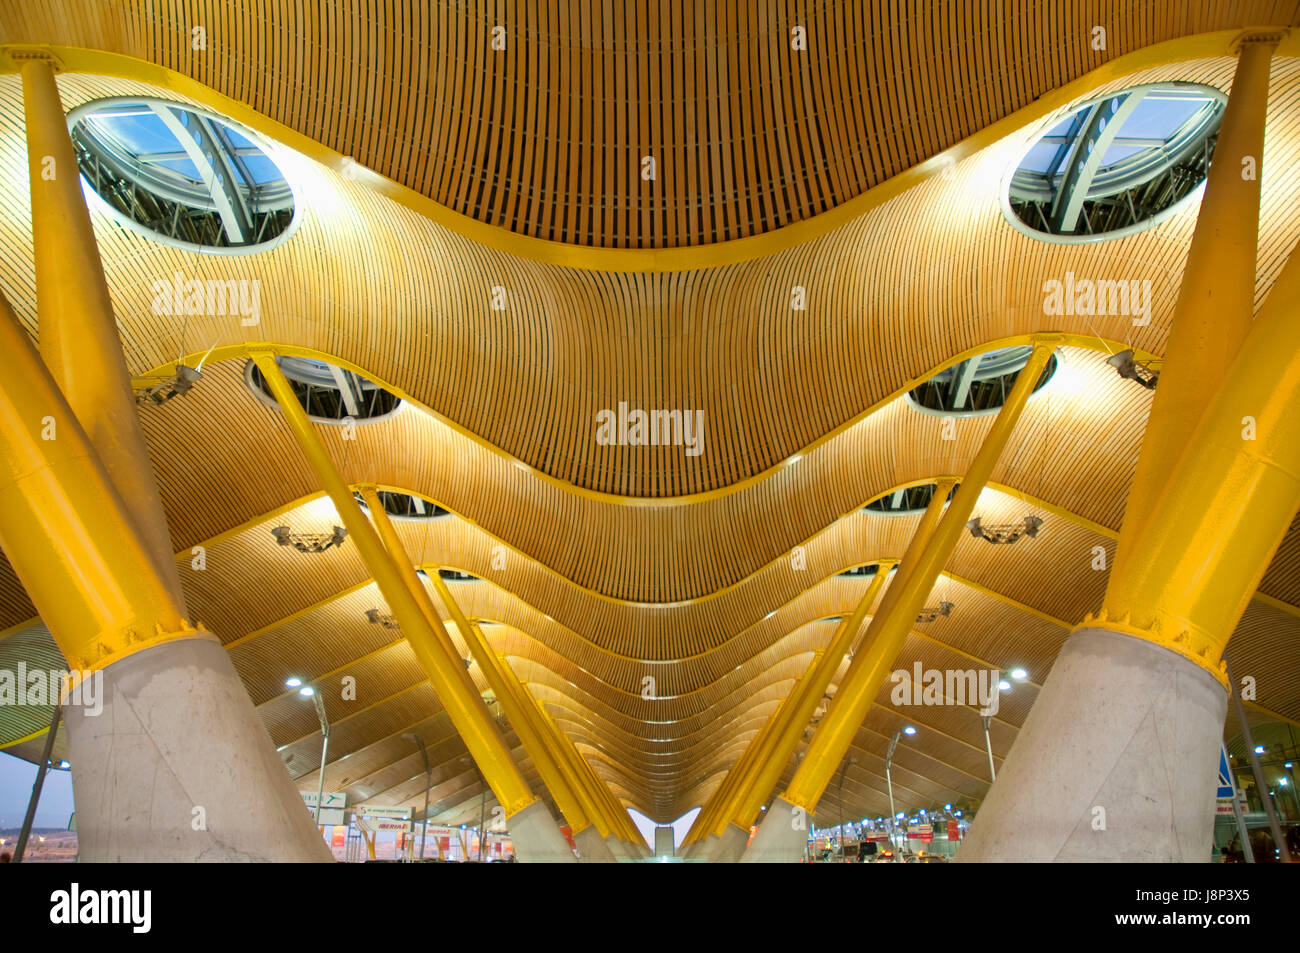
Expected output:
{"points": [[182, 175], [978, 385], [328, 393], [906, 501], [1117, 164], [403, 506]]}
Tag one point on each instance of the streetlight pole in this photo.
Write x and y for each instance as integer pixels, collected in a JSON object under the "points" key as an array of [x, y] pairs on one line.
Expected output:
{"points": [[324, 750], [1276, 829], [889, 783], [988, 746], [482, 816], [36, 788], [428, 783], [843, 768]]}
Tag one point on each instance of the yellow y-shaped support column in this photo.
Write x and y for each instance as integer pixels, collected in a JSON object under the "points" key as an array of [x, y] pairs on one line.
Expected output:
{"points": [[66, 529], [172, 726], [771, 761], [78, 333], [531, 824], [532, 744], [1216, 300], [1130, 720], [608, 820], [782, 834], [707, 821], [615, 811]]}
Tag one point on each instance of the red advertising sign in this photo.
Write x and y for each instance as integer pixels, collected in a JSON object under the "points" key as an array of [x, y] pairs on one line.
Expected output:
{"points": [[954, 832]]}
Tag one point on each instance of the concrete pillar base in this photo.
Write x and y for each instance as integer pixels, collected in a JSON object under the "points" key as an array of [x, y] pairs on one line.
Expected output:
{"points": [[1116, 762], [730, 846], [537, 839], [178, 767], [592, 848], [623, 851], [781, 838], [699, 849]]}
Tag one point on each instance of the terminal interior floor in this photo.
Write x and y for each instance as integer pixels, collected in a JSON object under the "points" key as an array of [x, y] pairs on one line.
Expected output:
{"points": [[653, 430]]}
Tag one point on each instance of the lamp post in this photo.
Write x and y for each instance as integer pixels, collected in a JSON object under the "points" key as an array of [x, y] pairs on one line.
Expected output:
{"points": [[1278, 838], [986, 720], [36, 788], [306, 691], [844, 766], [428, 783]]}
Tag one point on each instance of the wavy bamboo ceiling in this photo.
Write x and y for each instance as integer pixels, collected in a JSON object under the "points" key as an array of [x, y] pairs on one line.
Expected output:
{"points": [[602, 565]]}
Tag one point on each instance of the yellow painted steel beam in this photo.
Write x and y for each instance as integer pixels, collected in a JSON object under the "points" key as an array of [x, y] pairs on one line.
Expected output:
{"points": [[533, 744], [617, 812], [79, 341], [594, 810], [65, 527], [614, 813], [1228, 502], [1216, 300], [776, 765], [602, 804], [706, 821], [431, 644], [756, 786], [918, 571], [793, 715]]}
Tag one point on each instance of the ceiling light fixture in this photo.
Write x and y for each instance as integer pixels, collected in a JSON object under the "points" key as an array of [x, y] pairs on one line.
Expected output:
{"points": [[930, 613], [1133, 370], [309, 542], [375, 617], [178, 385], [1003, 533]]}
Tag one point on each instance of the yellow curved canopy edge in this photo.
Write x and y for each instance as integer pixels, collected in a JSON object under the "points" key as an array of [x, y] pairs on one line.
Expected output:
{"points": [[683, 258]]}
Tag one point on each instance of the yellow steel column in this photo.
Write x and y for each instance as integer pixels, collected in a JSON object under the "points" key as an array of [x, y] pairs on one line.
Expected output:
{"points": [[1229, 499], [713, 811], [594, 812], [606, 820], [78, 333], [888, 630], [65, 527], [755, 788], [1217, 297], [616, 812], [465, 707], [532, 744]]}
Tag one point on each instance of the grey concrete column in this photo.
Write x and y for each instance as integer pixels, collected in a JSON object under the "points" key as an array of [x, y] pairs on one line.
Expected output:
{"points": [[592, 848], [536, 837], [1117, 761], [178, 766], [782, 836], [730, 846]]}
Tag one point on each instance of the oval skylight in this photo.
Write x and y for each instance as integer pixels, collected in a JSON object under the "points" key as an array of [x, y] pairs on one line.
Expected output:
{"points": [[404, 505], [328, 393], [978, 385], [181, 175], [905, 501], [1117, 164]]}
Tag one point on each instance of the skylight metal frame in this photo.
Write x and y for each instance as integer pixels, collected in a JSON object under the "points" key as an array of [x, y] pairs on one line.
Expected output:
{"points": [[1077, 199], [224, 211]]}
